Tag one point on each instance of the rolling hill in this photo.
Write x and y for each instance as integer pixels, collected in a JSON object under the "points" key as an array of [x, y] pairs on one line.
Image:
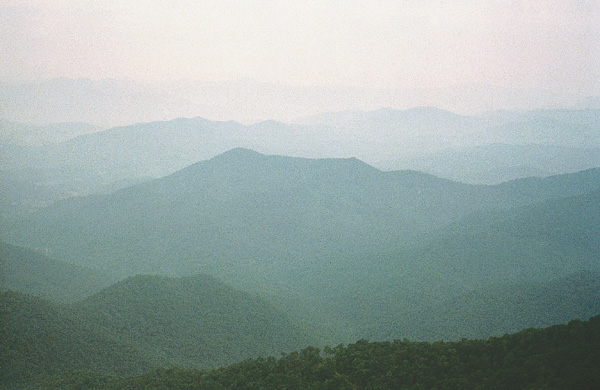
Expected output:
{"points": [[558, 357], [41, 339], [194, 321], [140, 323], [29, 272]]}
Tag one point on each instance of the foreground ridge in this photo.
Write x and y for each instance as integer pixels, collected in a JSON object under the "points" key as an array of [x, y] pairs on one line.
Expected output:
{"points": [[558, 357]]}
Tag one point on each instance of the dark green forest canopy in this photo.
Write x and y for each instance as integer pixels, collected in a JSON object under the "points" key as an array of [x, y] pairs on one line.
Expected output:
{"points": [[139, 324], [558, 357]]}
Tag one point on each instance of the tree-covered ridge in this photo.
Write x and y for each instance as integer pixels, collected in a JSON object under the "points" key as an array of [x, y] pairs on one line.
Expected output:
{"points": [[196, 321], [139, 324], [29, 272], [558, 357], [38, 338]]}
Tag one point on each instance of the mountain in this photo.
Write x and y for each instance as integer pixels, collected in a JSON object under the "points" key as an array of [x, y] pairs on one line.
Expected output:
{"points": [[386, 138], [390, 125], [35, 135], [42, 175], [119, 102], [539, 240], [481, 313], [559, 127], [492, 310], [510, 253], [41, 339], [497, 163], [533, 243], [487, 148], [123, 152], [248, 210], [558, 357], [19, 196], [193, 321], [135, 325], [387, 135], [333, 236], [29, 272]]}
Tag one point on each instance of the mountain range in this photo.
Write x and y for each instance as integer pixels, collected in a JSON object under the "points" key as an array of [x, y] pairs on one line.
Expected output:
{"points": [[246, 207], [110, 102], [486, 149], [197, 244], [333, 236]]}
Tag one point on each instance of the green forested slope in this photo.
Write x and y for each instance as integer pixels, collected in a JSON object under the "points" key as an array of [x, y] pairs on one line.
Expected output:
{"points": [[38, 338], [483, 312], [540, 241], [29, 272], [245, 210], [251, 218], [478, 268], [140, 323], [193, 321], [559, 357], [335, 242]]}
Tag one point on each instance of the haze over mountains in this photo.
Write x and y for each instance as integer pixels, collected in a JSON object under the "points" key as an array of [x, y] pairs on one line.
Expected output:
{"points": [[333, 236], [33, 273], [265, 238], [110, 102], [238, 195], [485, 149]]}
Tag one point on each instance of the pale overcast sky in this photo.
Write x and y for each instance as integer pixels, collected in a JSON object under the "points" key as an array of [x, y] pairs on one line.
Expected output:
{"points": [[378, 44]]}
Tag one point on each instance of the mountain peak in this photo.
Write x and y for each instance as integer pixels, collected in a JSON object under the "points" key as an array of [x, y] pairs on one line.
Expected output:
{"points": [[238, 155]]}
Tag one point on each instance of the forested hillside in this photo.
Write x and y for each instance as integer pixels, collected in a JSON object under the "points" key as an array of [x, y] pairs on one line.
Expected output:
{"points": [[248, 209], [38, 339], [194, 321], [558, 357], [336, 244], [27, 271], [140, 323]]}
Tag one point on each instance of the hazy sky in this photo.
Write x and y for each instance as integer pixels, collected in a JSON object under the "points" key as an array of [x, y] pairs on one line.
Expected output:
{"points": [[381, 44]]}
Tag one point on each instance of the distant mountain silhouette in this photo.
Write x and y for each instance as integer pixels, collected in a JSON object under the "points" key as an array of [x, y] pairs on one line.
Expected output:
{"points": [[389, 139], [497, 163]]}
